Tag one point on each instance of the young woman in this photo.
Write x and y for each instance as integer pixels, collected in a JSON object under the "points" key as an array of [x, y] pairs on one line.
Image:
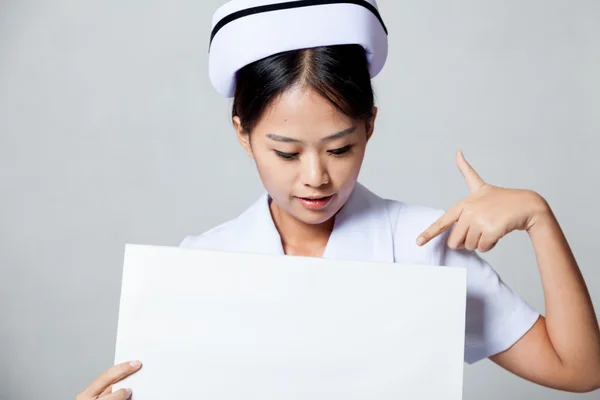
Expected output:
{"points": [[305, 115]]}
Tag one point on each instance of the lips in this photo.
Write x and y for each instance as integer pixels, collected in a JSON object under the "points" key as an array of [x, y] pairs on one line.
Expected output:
{"points": [[315, 203], [315, 197]]}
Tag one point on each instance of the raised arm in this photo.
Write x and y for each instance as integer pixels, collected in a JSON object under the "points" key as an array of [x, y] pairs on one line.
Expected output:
{"points": [[562, 350]]}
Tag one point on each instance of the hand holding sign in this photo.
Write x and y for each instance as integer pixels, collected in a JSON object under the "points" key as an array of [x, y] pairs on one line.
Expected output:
{"points": [[486, 215]]}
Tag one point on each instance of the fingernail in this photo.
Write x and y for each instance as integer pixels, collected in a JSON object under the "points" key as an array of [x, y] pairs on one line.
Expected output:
{"points": [[420, 240], [128, 391], [135, 364]]}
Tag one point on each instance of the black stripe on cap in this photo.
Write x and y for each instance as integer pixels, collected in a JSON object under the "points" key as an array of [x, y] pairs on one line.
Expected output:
{"points": [[289, 5]]}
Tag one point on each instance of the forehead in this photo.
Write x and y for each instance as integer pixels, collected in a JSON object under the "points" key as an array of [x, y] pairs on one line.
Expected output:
{"points": [[302, 112]]}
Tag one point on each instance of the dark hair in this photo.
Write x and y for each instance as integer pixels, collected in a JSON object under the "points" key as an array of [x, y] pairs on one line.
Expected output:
{"points": [[338, 73]]}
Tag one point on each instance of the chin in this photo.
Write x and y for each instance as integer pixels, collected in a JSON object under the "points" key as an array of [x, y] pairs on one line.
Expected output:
{"points": [[315, 217]]}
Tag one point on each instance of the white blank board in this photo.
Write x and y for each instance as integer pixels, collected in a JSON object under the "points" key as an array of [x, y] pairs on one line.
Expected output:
{"points": [[232, 326]]}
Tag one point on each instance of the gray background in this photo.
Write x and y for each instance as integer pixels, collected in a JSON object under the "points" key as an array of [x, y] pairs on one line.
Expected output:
{"points": [[111, 133]]}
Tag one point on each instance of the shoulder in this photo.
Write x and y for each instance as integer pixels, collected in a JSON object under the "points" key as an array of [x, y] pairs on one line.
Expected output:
{"points": [[236, 234], [409, 217], [216, 238], [404, 218], [496, 316], [227, 236]]}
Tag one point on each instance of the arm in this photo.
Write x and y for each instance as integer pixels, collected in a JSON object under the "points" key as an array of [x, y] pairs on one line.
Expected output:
{"points": [[561, 351]]}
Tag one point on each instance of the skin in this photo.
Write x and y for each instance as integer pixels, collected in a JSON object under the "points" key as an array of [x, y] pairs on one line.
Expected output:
{"points": [[562, 349], [101, 387], [328, 148]]}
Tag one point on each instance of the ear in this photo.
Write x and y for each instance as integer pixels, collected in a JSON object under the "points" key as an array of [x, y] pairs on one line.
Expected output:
{"points": [[371, 124], [243, 136]]}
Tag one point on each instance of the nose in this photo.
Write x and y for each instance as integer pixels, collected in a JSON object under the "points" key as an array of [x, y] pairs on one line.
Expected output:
{"points": [[314, 172]]}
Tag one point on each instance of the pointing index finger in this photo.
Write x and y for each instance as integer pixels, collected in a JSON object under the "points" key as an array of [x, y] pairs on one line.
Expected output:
{"points": [[441, 225]]}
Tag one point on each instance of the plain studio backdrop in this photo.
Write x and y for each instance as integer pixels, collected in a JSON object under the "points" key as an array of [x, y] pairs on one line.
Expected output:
{"points": [[110, 132]]}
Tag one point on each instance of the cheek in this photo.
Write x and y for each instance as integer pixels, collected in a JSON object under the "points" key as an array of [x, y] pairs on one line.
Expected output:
{"points": [[274, 174], [346, 169]]}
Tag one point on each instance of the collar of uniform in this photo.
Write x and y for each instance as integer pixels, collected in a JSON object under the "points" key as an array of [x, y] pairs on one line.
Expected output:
{"points": [[362, 229], [259, 232]]}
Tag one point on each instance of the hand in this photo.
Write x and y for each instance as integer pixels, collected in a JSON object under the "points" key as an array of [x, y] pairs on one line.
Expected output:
{"points": [[101, 387], [486, 215]]}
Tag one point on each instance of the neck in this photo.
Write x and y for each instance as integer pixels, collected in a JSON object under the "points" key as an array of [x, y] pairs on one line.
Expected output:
{"points": [[299, 238]]}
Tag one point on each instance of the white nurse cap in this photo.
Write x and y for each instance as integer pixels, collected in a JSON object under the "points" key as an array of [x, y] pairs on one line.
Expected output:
{"points": [[245, 31]]}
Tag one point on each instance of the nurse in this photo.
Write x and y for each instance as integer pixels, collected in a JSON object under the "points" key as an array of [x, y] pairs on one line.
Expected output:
{"points": [[300, 75]]}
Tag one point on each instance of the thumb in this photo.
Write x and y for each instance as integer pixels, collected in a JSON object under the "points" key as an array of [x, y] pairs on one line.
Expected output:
{"points": [[474, 181]]}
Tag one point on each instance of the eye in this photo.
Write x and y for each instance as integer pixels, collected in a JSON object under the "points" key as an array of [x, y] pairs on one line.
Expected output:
{"points": [[287, 156], [341, 150]]}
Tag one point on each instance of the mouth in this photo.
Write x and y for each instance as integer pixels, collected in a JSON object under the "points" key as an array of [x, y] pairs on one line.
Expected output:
{"points": [[315, 202], [315, 197]]}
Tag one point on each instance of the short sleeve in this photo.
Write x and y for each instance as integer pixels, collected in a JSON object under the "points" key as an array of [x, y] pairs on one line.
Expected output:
{"points": [[496, 316]]}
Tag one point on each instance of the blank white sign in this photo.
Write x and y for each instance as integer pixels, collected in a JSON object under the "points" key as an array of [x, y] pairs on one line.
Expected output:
{"points": [[231, 326]]}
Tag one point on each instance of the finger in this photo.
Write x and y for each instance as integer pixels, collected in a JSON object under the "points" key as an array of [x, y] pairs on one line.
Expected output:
{"points": [[441, 225], [107, 391], [472, 239], [487, 243], [109, 377], [474, 181], [457, 237], [121, 394]]}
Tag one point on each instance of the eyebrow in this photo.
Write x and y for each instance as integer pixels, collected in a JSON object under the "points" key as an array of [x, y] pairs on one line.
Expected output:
{"points": [[338, 135]]}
